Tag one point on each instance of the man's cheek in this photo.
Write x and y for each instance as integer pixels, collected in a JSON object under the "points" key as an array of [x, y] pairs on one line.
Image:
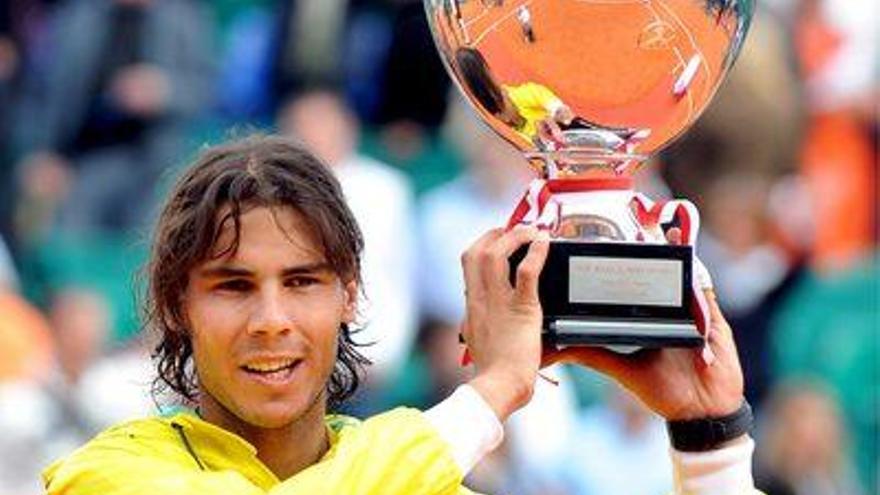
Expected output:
{"points": [[206, 364]]}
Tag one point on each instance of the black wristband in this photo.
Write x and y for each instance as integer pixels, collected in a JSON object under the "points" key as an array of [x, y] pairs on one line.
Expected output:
{"points": [[700, 435]]}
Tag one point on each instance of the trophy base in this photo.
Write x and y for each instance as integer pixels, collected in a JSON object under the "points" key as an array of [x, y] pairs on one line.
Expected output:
{"points": [[617, 333], [617, 295]]}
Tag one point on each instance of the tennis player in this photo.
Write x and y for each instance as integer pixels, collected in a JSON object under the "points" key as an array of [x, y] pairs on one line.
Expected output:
{"points": [[253, 279], [530, 109]]}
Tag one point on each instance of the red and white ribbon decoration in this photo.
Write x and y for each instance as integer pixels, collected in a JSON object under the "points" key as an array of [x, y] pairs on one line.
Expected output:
{"points": [[651, 215], [540, 207]]}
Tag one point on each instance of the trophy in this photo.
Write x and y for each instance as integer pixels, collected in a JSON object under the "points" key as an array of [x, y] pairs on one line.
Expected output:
{"points": [[588, 90]]}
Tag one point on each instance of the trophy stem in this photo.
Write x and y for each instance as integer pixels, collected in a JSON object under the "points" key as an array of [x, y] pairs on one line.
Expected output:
{"points": [[582, 209]]}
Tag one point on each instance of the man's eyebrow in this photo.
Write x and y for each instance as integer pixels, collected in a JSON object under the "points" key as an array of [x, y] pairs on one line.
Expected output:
{"points": [[228, 271], [316, 267], [224, 271]]}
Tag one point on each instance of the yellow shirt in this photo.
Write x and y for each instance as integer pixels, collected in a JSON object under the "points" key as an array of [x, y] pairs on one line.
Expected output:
{"points": [[394, 452], [534, 102]]}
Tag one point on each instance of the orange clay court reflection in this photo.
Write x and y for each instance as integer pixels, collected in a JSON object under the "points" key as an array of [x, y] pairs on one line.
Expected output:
{"points": [[598, 84]]}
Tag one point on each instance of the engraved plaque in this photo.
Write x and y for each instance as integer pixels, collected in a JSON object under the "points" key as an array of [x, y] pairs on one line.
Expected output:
{"points": [[645, 282]]}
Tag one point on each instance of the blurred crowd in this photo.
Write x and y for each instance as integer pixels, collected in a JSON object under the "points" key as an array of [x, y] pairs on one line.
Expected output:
{"points": [[102, 101]]}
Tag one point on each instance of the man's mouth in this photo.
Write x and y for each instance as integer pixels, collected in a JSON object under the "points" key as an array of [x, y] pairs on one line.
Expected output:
{"points": [[278, 368]]}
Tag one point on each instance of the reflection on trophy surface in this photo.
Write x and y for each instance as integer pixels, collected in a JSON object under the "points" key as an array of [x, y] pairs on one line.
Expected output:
{"points": [[617, 67], [588, 90]]}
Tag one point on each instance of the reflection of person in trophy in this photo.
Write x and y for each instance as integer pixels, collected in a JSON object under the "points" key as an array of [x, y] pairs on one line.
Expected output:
{"points": [[531, 109], [451, 7], [538, 115], [524, 16]]}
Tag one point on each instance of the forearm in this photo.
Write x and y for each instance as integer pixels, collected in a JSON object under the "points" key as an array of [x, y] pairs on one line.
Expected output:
{"points": [[470, 427]]}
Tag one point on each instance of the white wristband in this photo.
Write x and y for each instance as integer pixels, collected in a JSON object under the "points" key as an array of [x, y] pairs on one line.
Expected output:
{"points": [[726, 471], [468, 424]]}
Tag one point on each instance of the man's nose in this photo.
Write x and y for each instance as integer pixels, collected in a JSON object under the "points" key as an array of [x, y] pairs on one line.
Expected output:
{"points": [[269, 315]]}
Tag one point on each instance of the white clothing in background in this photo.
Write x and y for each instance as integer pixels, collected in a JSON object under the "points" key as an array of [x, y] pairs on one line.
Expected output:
{"points": [[381, 200]]}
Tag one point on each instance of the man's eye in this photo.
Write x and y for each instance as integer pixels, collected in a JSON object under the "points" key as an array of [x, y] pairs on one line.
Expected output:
{"points": [[236, 285], [301, 281]]}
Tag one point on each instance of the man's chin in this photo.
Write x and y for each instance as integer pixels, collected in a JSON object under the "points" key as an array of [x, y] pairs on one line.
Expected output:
{"points": [[280, 414]]}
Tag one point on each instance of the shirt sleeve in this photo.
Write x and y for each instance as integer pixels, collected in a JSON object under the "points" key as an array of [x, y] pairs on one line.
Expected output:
{"points": [[726, 471], [467, 423], [532, 98]]}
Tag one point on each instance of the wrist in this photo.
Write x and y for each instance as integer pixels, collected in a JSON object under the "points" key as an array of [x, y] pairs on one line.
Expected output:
{"points": [[504, 392], [711, 432], [714, 408]]}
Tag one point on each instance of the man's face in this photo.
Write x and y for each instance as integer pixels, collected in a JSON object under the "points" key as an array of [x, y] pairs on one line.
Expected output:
{"points": [[264, 321]]}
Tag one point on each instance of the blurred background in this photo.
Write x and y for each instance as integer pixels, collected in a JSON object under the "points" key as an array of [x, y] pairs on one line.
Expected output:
{"points": [[103, 101]]}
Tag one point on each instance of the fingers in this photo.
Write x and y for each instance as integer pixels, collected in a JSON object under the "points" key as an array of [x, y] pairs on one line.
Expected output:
{"points": [[564, 114], [529, 270], [470, 262], [715, 315], [487, 268], [556, 131], [721, 341], [673, 236], [497, 256]]}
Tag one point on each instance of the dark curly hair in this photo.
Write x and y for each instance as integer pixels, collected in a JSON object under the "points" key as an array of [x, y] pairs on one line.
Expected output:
{"points": [[478, 79], [215, 190]]}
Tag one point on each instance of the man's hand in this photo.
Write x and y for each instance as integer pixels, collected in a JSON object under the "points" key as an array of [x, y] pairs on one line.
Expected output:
{"points": [[675, 383], [563, 114], [502, 327]]}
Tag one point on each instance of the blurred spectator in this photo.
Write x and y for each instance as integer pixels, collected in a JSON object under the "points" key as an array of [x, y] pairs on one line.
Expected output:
{"points": [[109, 113], [434, 368], [8, 276], [380, 51], [838, 47], [11, 48], [627, 439], [82, 325], [9, 63], [382, 203], [308, 46], [535, 452], [42, 418], [366, 49], [26, 346], [453, 215], [827, 329], [756, 251], [246, 31], [415, 84], [48, 414], [746, 264], [94, 388], [25, 338], [804, 445]]}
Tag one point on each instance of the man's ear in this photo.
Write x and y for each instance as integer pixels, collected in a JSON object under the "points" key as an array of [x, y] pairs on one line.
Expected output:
{"points": [[349, 309]]}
